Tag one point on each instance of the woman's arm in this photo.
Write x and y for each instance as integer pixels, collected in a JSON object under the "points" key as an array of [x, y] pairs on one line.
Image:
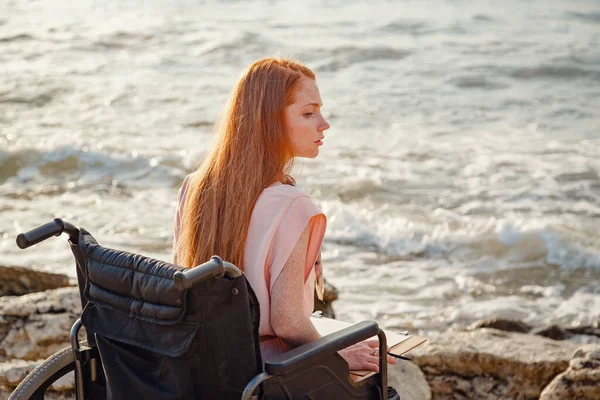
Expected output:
{"points": [[288, 317], [290, 323]]}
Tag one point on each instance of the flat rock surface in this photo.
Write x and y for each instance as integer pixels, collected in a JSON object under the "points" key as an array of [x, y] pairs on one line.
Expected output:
{"points": [[35, 325], [491, 364], [16, 281]]}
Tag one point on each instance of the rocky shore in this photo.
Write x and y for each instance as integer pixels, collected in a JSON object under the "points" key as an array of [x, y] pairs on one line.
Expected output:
{"points": [[493, 359]]}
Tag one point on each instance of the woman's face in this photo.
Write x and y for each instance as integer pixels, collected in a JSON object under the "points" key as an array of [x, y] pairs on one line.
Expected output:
{"points": [[305, 121]]}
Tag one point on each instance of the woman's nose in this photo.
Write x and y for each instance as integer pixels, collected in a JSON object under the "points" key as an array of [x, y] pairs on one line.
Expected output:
{"points": [[324, 125]]}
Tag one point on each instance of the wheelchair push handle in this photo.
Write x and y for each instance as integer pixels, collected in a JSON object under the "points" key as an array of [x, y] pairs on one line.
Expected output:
{"points": [[53, 228], [214, 268]]}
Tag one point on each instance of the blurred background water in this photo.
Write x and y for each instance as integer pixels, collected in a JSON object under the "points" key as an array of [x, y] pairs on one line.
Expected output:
{"points": [[461, 174]]}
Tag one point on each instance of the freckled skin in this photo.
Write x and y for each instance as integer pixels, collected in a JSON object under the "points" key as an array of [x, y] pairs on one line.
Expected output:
{"points": [[306, 125], [287, 312]]}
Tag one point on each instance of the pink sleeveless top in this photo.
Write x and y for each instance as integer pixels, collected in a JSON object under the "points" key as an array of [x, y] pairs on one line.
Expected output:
{"points": [[279, 217]]}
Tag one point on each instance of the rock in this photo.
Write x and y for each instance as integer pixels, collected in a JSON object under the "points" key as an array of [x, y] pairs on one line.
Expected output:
{"points": [[589, 330], [553, 332], [491, 364], [35, 325], [409, 381], [330, 295], [16, 281], [14, 371], [580, 381], [65, 383], [502, 324]]}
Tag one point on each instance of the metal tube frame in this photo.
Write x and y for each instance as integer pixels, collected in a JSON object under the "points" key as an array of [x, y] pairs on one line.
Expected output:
{"points": [[383, 364], [254, 384], [74, 337]]}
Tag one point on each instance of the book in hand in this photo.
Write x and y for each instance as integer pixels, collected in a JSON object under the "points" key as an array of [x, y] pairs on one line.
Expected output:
{"points": [[398, 342]]}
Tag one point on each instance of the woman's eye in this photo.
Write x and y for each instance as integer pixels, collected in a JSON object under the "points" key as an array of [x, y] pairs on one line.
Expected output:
{"points": [[308, 114]]}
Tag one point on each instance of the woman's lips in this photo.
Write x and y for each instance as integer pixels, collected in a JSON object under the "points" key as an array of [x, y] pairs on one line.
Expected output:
{"points": [[319, 142]]}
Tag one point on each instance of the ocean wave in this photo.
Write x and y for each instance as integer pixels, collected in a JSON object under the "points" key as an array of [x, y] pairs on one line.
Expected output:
{"points": [[38, 96], [586, 57], [477, 82], [123, 40], [554, 71], [198, 124], [483, 17], [406, 26], [421, 28], [11, 164], [342, 57], [70, 169], [447, 235], [593, 17], [589, 175], [249, 42], [21, 37]]}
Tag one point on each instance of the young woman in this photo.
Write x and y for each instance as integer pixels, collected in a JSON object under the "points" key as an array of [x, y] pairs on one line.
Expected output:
{"points": [[242, 205]]}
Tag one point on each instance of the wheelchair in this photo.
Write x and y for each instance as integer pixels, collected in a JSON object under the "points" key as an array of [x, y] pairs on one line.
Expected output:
{"points": [[154, 330]]}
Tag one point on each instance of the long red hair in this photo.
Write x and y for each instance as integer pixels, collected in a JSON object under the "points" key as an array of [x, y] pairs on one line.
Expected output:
{"points": [[252, 151]]}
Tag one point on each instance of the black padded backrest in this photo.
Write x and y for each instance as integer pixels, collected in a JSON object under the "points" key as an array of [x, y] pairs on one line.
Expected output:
{"points": [[157, 342], [132, 284]]}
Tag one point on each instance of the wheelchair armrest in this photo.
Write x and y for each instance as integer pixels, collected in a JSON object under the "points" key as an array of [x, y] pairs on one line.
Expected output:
{"points": [[310, 353]]}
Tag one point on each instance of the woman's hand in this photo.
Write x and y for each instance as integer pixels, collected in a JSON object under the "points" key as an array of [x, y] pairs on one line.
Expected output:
{"points": [[364, 356]]}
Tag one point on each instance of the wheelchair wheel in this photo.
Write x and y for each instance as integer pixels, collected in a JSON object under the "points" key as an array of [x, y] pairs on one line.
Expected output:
{"points": [[36, 383]]}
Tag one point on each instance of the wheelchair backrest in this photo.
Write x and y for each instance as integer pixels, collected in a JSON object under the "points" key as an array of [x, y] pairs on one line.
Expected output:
{"points": [[158, 342]]}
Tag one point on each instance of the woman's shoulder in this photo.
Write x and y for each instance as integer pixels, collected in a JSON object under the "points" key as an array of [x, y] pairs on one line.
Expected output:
{"points": [[189, 177], [281, 199], [182, 191], [284, 191]]}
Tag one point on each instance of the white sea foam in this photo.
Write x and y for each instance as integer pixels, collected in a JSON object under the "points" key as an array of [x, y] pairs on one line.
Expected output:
{"points": [[469, 239]]}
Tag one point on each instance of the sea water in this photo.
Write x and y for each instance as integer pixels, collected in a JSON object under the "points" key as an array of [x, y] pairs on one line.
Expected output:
{"points": [[460, 176]]}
